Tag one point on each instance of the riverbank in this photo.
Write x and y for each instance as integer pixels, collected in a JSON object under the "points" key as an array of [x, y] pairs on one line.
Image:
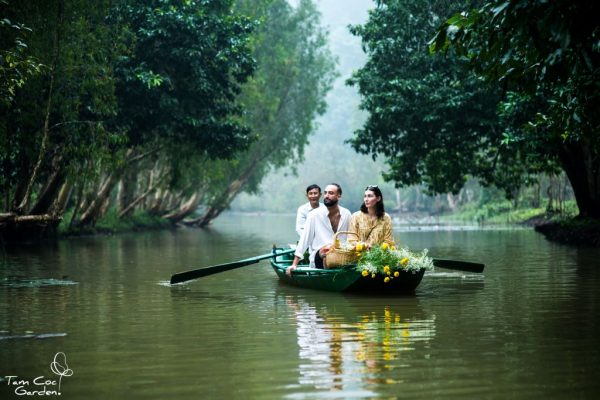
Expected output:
{"points": [[578, 232], [112, 224], [559, 228], [564, 227]]}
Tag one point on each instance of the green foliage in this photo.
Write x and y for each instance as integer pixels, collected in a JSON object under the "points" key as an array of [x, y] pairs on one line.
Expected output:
{"points": [[433, 122], [70, 97], [119, 77], [546, 53], [294, 72], [179, 85], [16, 65]]}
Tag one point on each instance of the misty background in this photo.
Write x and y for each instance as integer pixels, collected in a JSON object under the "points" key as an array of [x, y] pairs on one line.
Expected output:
{"points": [[328, 158]]}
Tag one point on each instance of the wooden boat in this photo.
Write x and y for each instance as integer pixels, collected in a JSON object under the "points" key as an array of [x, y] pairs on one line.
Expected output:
{"points": [[343, 279]]}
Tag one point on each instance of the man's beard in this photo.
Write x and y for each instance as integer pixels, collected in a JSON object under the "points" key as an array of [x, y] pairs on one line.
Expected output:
{"points": [[329, 202]]}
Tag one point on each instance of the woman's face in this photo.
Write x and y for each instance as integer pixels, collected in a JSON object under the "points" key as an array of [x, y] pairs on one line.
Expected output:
{"points": [[371, 199]]}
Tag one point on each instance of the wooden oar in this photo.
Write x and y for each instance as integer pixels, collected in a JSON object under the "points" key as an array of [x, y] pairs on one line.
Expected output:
{"points": [[458, 265], [214, 269]]}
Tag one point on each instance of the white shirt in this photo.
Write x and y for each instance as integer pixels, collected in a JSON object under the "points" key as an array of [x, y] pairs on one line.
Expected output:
{"points": [[318, 231], [301, 215]]}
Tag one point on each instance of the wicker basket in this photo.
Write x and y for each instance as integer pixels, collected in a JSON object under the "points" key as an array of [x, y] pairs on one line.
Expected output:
{"points": [[337, 256]]}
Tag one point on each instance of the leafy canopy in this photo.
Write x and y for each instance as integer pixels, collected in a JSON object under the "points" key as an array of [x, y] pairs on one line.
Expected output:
{"points": [[179, 85]]}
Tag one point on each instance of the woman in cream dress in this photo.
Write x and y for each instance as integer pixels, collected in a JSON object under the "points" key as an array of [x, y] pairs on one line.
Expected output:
{"points": [[372, 224]]}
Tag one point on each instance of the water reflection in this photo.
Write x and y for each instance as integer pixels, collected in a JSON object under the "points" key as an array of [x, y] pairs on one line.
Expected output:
{"points": [[525, 328], [352, 345]]}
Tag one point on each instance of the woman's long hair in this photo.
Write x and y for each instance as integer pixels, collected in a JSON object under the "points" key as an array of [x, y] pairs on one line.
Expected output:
{"points": [[379, 209]]}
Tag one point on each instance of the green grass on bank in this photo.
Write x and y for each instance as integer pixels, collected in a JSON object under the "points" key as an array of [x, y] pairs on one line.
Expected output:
{"points": [[111, 223], [504, 213]]}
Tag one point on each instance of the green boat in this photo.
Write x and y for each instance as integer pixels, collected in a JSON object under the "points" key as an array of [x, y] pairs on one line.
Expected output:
{"points": [[343, 279]]}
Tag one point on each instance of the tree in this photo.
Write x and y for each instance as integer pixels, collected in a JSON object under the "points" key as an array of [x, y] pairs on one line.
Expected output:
{"points": [[178, 87], [434, 122], [547, 54], [295, 71], [181, 81], [54, 120], [122, 81]]}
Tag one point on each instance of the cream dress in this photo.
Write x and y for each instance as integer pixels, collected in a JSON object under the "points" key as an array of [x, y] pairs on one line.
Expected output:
{"points": [[372, 231]]}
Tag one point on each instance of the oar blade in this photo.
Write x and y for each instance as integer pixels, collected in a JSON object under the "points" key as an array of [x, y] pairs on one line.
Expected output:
{"points": [[459, 265]]}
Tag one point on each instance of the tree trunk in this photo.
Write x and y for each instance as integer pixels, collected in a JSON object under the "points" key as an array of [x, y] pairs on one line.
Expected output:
{"points": [[99, 203], [222, 202], [50, 192], [79, 204], [185, 210], [127, 196], [536, 195], [24, 204], [92, 213], [583, 170], [127, 210], [60, 205], [156, 204], [451, 201]]}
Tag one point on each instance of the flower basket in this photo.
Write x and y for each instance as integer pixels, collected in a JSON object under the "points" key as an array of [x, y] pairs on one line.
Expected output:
{"points": [[387, 262], [339, 255]]}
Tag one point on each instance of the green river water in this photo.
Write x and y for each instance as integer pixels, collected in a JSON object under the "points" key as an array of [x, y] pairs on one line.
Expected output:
{"points": [[95, 318]]}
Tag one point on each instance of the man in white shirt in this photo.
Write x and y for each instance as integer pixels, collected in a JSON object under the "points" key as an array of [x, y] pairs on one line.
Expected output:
{"points": [[321, 225], [313, 194]]}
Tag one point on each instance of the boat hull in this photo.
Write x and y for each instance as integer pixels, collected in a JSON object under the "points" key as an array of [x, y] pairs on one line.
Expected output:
{"points": [[344, 279]]}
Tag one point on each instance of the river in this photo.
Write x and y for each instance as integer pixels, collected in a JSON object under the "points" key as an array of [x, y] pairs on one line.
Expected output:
{"points": [[95, 318]]}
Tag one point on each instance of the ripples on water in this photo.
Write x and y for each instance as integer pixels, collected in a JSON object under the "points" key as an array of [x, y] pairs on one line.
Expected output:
{"points": [[525, 328]]}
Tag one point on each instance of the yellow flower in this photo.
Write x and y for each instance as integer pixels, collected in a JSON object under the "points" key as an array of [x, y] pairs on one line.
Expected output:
{"points": [[359, 255], [404, 261], [385, 246], [386, 268], [359, 246], [387, 279], [396, 274], [365, 272], [388, 272], [372, 275]]}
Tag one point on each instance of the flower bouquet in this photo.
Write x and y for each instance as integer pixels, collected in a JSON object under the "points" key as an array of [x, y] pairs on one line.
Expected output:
{"points": [[387, 262]]}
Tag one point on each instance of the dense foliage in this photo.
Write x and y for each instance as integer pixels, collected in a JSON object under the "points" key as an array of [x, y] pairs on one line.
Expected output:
{"points": [[108, 107], [512, 97], [179, 84], [548, 54], [294, 72], [433, 122]]}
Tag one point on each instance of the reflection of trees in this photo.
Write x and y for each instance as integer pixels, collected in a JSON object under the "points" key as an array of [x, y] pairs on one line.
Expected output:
{"points": [[344, 349]]}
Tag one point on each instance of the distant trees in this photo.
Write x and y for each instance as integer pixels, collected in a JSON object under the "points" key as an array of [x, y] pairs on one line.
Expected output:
{"points": [[294, 72], [116, 106], [514, 96]]}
